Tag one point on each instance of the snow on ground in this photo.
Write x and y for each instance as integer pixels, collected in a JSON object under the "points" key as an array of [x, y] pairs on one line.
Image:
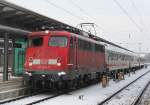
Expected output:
{"points": [[145, 99], [130, 94], [94, 94], [88, 96], [28, 100]]}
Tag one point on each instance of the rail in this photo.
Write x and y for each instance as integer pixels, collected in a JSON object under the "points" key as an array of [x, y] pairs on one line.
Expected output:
{"points": [[110, 97]]}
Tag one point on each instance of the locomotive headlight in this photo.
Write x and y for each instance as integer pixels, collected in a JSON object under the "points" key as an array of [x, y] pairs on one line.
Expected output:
{"points": [[30, 63], [59, 64], [26, 72], [43, 75], [47, 31], [30, 74], [61, 73]]}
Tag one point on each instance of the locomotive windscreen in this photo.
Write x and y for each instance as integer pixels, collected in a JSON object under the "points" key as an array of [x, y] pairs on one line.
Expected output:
{"points": [[35, 41], [59, 41]]}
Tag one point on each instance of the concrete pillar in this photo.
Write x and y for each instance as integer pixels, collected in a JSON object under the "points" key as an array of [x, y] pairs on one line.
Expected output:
{"points": [[5, 70]]}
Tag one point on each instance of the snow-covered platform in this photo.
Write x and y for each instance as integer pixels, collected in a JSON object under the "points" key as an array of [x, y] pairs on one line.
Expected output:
{"points": [[12, 88]]}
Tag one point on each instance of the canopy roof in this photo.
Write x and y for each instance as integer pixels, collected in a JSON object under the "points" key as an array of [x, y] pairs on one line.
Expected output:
{"points": [[18, 17], [18, 20]]}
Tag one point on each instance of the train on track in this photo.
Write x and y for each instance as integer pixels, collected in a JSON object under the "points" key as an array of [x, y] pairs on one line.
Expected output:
{"points": [[63, 58]]}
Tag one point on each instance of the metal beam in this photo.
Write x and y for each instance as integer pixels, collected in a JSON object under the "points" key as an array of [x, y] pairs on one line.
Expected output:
{"points": [[16, 31], [5, 70], [16, 17], [7, 14], [1, 8]]}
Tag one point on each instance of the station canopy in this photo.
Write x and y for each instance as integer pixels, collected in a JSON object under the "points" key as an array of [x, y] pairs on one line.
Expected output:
{"points": [[18, 20], [17, 17]]}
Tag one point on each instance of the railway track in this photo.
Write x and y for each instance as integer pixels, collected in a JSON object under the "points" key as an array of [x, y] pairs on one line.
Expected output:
{"points": [[139, 98], [50, 96], [143, 98], [44, 99], [136, 101], [36, 95], [21, 97]]}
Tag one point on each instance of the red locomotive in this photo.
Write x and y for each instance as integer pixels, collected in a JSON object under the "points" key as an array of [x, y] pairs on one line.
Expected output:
{"points": [[56, 56], [61, 57]]}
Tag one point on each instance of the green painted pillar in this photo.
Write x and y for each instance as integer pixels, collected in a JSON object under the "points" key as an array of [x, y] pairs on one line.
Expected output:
{"points": [[19, 57]]}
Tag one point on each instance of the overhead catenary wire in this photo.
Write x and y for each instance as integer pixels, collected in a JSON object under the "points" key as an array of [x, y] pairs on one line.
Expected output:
{"points": [[139, 13], [130, 18], [83, 11], [61, 8], [87, 14]]}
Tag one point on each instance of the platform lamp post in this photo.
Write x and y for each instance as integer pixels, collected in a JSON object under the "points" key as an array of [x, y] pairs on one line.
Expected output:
{"points": [[5, 70]]}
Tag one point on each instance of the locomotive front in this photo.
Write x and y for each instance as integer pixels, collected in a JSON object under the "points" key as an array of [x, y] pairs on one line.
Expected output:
{"points": [[47, 56]]}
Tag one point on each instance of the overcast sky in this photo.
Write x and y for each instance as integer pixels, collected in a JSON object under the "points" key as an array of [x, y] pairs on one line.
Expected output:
{"points": [[128, 27]]}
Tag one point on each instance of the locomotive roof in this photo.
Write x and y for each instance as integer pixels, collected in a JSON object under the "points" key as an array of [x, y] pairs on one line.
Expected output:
{"points": [[42, 33], [108, 45], [88, 36]]}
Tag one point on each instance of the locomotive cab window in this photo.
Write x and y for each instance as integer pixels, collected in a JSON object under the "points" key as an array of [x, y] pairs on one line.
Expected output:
{"points": [[35, 41], [58, 41]]}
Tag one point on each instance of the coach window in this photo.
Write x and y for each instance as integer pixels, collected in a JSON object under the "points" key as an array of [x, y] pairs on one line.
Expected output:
{"points": [[58, 41], [112, 56]]}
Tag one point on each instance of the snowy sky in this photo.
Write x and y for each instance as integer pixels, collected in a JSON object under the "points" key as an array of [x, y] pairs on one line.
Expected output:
{"points": [[113, 24]]}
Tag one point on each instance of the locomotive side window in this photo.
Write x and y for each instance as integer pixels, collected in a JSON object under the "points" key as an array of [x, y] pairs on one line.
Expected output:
{"points": [[81, 44], [36, 41], [59, 41], [84, 45], [71, 42], [99, 48]]}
